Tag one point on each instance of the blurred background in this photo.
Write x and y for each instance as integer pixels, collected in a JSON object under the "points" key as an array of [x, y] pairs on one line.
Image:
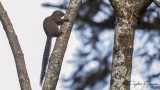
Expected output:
{"points": [[87, 61]]}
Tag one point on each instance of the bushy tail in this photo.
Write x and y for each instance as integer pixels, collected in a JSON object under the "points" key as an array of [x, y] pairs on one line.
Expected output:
{"points": [[45, 59]]}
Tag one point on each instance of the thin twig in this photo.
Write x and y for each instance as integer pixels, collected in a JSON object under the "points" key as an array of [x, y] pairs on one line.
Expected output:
{"points": [[157, 3]]}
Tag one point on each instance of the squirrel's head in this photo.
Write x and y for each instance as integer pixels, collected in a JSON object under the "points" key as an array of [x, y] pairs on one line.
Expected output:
{"points": [[57, 14]]}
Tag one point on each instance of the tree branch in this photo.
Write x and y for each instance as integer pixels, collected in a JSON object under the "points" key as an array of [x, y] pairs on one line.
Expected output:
{"points": [[156, 2], [57, 55], [16, 50], [52, 5]]}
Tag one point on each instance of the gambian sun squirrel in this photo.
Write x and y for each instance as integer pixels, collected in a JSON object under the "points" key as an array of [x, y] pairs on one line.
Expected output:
{"points": [[50, 25]]}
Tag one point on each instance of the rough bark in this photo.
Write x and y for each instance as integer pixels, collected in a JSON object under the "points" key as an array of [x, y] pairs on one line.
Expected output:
{"points": [[16, 50], [57, 55], [127, 13]]}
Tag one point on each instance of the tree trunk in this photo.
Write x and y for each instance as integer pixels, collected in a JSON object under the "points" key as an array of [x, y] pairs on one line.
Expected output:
{"points": [[127, 13]]}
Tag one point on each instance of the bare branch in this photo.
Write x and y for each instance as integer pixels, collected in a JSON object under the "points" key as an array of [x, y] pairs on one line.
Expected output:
{"points": [[57, 55], [156, 2], [52, 5], [16, 49]]}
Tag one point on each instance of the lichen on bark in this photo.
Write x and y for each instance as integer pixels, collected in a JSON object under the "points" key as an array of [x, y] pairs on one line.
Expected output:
{"points": [[127, 13]]}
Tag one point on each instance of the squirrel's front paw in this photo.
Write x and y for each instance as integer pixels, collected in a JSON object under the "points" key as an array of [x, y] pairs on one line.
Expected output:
{"points": [[66, 20], [61, 33]]}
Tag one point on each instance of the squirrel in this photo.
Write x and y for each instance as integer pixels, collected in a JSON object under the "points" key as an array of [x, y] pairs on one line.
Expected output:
{"points": [[50, 25]]}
